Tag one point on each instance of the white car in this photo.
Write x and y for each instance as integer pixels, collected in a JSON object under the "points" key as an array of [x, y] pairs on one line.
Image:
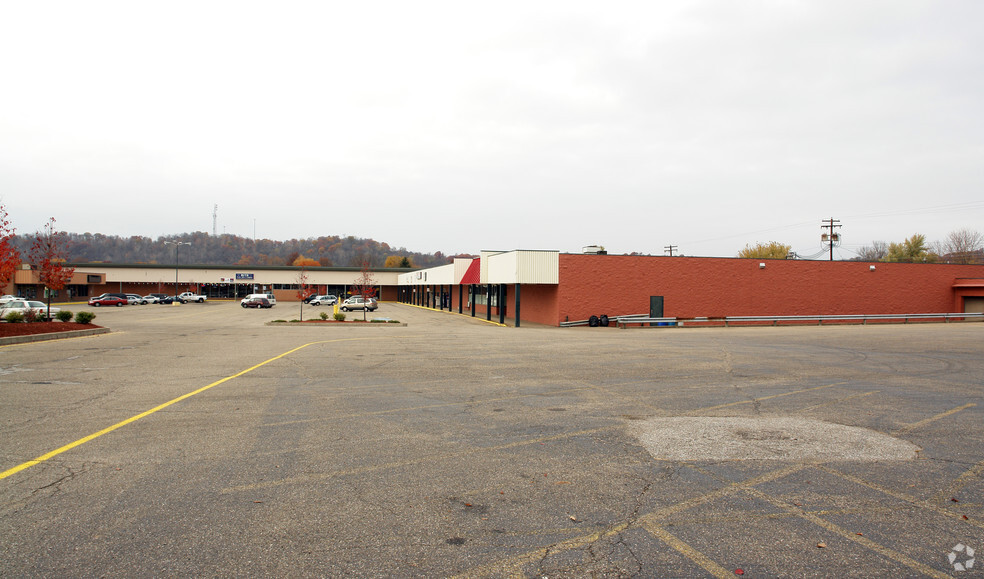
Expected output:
{"points": [[149, 300], [328, 300], [7, 298], [134, 300], [20, 305]]}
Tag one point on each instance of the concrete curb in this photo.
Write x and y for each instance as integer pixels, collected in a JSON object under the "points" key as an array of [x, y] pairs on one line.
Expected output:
{"points": [[52, 336], [337, 324]]}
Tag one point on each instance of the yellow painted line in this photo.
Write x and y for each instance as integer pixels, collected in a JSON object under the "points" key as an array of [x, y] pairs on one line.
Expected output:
{"points": [[960, 482], [931, 505], [926, 421], [854, 537], [314, 477], [118, 425], [512, 567], [839, 400], [719, 406], [687, 551], [475, 402]]}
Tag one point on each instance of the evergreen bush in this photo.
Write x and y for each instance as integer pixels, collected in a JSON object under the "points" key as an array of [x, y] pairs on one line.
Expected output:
{"points": [[64, 316], [85, 317]]}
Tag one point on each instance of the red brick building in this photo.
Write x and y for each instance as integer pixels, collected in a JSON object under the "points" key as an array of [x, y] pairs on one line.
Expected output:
{"points": [[554, 287]]}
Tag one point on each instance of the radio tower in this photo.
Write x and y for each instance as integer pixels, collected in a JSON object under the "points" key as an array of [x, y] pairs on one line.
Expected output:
{"points": [[215, 214]]}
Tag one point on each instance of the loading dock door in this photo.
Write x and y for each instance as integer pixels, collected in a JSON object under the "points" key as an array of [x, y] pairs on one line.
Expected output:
{"points": [[973, 305], [655, 308]]}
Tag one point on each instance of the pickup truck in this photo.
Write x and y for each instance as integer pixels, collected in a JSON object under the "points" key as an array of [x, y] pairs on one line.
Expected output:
{"points": [[191, 297]]}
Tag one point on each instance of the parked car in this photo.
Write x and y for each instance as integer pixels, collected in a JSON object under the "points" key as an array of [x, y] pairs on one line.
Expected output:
{"points": [[327, 300], [108, 300], [269, 297], [257, 303], [7, 298], [134, 300], [310, 298], [23, 306], [158, 296], [150, 299], [358, 303], [170, 300]]}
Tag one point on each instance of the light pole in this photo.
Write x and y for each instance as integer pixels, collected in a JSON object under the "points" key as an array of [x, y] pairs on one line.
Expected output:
{"points": [[177, 245]]}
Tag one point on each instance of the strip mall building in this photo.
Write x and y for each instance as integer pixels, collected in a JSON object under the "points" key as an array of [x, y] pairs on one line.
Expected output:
{"points": [[549, 287]]}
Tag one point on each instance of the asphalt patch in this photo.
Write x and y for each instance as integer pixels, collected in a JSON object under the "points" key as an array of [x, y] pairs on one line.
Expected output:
{"points": [[782, 438]]}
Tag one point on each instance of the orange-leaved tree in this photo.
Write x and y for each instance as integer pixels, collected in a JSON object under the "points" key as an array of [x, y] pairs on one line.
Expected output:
{"points": [[9, 256], [303, 289], [47, 256], [365, 286]]}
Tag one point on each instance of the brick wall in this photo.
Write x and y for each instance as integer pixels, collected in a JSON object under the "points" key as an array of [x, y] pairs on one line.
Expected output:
{"points": [[694, 286]]}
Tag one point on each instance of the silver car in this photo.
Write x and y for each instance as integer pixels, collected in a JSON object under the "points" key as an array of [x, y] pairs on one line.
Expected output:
{"points": [[358, 303], [328, 300]]}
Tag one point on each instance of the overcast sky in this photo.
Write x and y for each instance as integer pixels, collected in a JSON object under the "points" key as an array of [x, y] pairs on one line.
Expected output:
{"points": [[463, 126]]}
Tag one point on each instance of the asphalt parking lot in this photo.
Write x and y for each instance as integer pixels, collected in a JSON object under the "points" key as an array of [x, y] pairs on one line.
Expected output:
{"points": [[195, 440]]}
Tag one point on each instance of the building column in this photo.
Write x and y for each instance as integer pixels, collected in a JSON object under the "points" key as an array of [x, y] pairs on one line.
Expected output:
{"points": [[502, 303], [516, 309]]}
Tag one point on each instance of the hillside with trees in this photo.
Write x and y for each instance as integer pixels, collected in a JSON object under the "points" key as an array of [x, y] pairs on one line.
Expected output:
{"points": [[226, 249]]}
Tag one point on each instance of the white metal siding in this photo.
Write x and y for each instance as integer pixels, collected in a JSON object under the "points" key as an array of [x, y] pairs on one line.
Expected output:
{"points": [[525, 267]]}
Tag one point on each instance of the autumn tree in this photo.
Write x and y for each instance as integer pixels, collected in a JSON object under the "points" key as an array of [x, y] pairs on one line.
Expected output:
{"points": [[301, 261], [303, 289], [365, 285], [48, 255], [912, 250], [9, 254], [398, 261], [771, 250]]}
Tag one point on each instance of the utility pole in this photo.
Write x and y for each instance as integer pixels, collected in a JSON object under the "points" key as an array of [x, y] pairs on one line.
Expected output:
{"points": [[670, 249], [830, 237]]}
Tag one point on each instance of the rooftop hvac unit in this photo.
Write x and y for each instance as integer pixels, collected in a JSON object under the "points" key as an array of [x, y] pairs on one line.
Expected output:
{"points": [[594, 250]]}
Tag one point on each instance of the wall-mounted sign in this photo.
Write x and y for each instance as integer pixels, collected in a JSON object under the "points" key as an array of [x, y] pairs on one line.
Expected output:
{"points": [[244, 276]]}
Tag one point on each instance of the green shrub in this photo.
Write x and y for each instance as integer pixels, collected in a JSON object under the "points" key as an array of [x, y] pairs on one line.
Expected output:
{"points": [[324, 315], [64, 316], [278, 321], [85, 317], [394, 321], [340, 317], [14, 317], [295, 320]]}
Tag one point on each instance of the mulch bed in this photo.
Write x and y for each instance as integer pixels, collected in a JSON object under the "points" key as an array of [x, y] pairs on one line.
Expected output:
{"points": [[28, 329]]}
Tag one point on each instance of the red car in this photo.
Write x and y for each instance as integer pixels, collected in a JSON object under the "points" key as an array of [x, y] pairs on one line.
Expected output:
{"points": [[107, 301]]}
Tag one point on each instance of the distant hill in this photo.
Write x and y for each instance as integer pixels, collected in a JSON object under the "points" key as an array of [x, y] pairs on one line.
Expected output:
{"points": [[229, 249]]}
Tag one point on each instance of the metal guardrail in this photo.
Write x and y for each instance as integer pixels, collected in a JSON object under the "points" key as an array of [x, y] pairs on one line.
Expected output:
{"points": [[624, 321]]}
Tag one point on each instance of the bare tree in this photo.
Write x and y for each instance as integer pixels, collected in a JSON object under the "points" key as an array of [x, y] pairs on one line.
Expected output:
{"points": [[874, 252], [961, 246]]}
